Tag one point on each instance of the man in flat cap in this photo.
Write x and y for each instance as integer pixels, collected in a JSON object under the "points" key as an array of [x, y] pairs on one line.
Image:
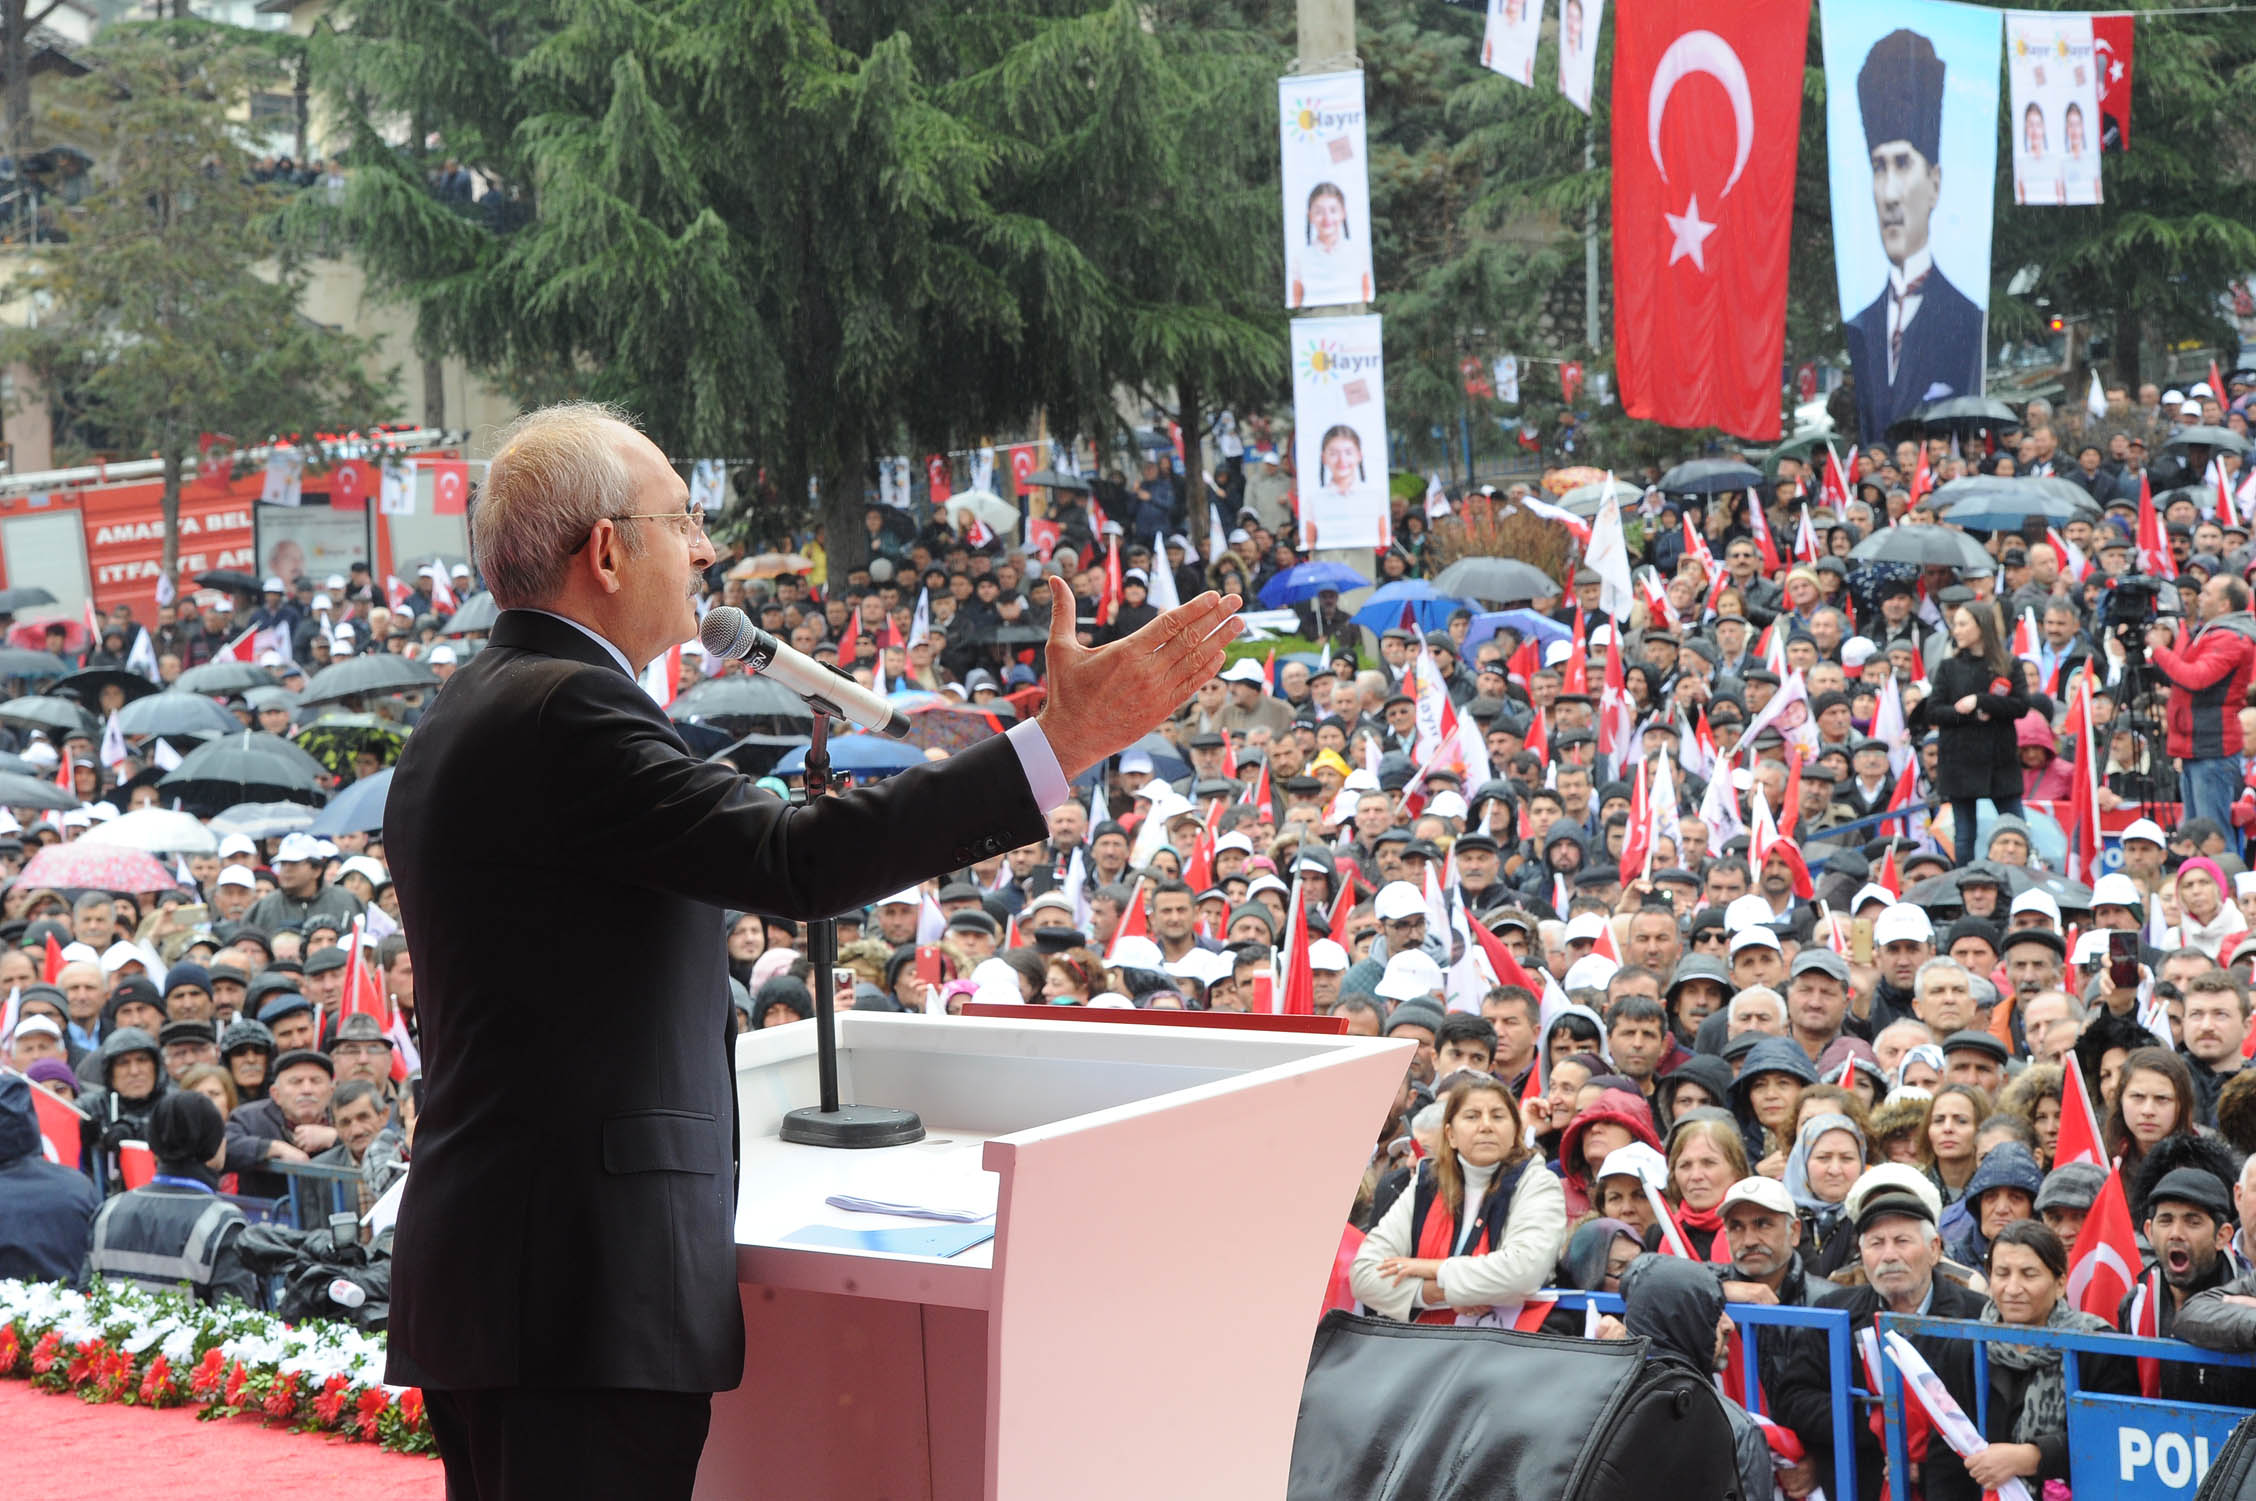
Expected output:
{"points": [[1921, 338]]}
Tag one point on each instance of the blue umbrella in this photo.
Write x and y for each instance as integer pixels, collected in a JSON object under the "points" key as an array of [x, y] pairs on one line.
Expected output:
{"points": [[1527, 622], [1432, 608], [859, 754], [1306, 580], [359, 809]]}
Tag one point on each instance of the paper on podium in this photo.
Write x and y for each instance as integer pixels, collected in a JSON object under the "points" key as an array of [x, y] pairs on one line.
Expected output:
{"points": [[927, 1187], [904, 1240]]}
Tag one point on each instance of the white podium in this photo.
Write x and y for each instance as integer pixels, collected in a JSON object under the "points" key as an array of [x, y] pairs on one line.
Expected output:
{"points": [[1169, 1203]]}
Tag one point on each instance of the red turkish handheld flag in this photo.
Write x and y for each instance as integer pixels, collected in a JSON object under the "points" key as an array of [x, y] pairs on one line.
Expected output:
{"points": [[1706, 121], [2107, 1256], [1023, 462], [59, 1122], [450, 486], [350, 485]]}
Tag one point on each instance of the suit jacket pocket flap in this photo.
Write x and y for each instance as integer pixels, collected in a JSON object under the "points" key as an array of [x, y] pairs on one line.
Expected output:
{"points": [[663, 1141]]}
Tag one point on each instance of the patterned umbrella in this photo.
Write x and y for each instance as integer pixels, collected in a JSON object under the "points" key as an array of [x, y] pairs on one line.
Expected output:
{"points": [[97, 867], [949, 728]]}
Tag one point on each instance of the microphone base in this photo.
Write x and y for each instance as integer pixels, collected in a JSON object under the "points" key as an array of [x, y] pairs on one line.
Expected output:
{"points": [[852, 1126]]}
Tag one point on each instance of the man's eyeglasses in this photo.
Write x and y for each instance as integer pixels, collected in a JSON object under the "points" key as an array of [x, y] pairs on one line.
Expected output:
{"points": [[694, 530]]}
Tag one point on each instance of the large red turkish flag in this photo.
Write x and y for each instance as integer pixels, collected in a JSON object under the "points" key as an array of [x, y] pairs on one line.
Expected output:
{"points": [[1707, 116]]}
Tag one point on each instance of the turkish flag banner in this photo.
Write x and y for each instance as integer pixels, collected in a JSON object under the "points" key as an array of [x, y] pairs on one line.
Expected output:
{"points": [[350, 485], [1023, 462], [450, 486], [2111, 48], [1706, 121]]}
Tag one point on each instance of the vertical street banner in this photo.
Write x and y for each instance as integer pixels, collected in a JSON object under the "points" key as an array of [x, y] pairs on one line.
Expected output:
{"points": [[1707, 110], [1578, 49], [1508, 43], [2052, 79], [2111, 47], [1911, 100], [1340, 432], [1327, 189]]}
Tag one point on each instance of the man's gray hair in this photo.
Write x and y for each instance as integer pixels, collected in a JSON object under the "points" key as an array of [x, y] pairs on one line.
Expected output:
{"points": [[1753, 996], [1933, 966], [556, 472]]}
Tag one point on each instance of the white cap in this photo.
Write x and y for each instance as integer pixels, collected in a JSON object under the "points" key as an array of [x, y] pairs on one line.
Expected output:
{"points": [[2034, 900], [1636, 1160], [238, 875], [270, 658], [1202, 965], [335, 581], [1762, 1192], [2172, 397], [79, 818], [1590, 972], [2244, 881], [1245, 670], [273, 585], [428, 571], [1233, 841], [1747, 911], [1757, 937], [461, 570], [908, 898], [442, 656], [363, 865], [343, 645], [103, 811], [1267, 883], [2189, 409], [1239, 534], [1903, 922], [1135, 761], [40, 753], [2117, 890], [1585, 926], [321, 602], [1871, 891], [1397, 900], [80, 953], [237, 844], [1557, 652], [1133, 952], [1447, 803], [2091, 947], [1326, 955], [298, 846], [222, 606], [124, 952], [1410, 975], [1856, 651], [2148, 830], [39, 1024], [2200, 388]]}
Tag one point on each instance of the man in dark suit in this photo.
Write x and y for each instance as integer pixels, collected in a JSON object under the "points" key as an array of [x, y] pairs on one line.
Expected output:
{"points": [[565, 1280], [1921, 338]]}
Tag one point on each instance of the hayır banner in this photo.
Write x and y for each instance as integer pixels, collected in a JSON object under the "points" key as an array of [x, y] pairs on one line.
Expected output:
{"points": [[1340, 432]]}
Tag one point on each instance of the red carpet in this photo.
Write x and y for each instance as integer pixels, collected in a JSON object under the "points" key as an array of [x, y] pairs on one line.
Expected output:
{"points": [[69, 1450]]}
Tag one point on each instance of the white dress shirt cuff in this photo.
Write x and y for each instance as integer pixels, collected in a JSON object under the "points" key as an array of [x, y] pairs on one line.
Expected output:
{"points": [[1040, 763]]}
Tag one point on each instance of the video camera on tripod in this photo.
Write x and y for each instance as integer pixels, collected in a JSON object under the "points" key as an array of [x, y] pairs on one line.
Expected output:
{"points": [[2136, 601]]}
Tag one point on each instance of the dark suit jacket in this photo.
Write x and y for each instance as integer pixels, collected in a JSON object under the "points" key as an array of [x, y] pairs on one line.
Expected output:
{"points": [[1942, 355], [563, 863]]}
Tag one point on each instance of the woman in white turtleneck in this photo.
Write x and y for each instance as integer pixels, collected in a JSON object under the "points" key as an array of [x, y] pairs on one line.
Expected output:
{"points": [[1481, 1226]]}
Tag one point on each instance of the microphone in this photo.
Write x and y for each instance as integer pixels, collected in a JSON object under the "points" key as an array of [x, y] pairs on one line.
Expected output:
{"points": [[729, 632]]}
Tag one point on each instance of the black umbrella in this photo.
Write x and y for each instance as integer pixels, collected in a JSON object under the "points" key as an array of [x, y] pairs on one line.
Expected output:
{"points": [[1056, 481], [754, 755], [743, 704], [1495, 580], [229, 676], [1001, 633], [369, 673], [176, 714], [33, 792], [48, 714], [2206, 437], [1992, 503], [231, 580], [1957, 414], [12, 600], [88, 685], [1925, 545], [269, 696], [475, 618], [22, 662], [246, 767], [1705, 477]]}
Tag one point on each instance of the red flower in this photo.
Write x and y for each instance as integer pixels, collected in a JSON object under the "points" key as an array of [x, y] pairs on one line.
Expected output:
{"points": [[373, 1401], [82, 1362], [332, 1398], [411, 1406], [282, 1396], [157, 1385], [232, 1395], [210, 1372], [113, 1374], [44, 1353], [9, 1350]]}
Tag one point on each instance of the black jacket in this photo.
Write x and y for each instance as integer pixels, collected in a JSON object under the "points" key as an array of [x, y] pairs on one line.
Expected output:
{"points": [[45, 1208], [1803, 1401], [1980, 757], [605, 1252], [1942, 355]]}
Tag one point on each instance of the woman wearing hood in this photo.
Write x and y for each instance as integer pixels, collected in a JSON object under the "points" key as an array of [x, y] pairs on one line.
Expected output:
{"points": [[1766, 1098], [1702, 1079], [2002, 1191], [2044, 775], [133, 1081], [1614, 1120], [1828, 1157]]}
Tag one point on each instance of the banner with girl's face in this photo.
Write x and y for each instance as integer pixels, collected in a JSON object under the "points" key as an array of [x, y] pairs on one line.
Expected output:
{"points": [[1327, 190], [1508, 43], [2054, 84], [1579, 21], [1340, 432]]}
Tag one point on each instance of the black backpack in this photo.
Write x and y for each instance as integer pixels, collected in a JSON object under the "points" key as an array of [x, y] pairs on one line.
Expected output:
{"points": [[2232, 1475], [1428, 1412]]}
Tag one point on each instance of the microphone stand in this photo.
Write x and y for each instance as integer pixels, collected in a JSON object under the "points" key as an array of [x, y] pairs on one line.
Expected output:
{"points": [[831, 1124]]}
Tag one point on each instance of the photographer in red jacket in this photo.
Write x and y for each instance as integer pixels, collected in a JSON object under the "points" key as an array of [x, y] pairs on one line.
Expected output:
{"points": [[2208, 674]]}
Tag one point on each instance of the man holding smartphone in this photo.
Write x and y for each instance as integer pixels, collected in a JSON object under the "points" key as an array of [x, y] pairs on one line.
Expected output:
{"points": [[2208, 672]]}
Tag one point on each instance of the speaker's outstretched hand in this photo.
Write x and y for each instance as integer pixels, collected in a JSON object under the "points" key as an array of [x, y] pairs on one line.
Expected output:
{"points": [[1104, 699]]}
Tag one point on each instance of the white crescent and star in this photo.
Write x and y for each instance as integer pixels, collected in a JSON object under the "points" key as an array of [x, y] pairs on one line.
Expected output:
{"points": [[1699, 52]]}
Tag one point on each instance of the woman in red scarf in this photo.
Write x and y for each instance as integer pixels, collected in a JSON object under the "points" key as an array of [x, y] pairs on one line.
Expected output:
{"points": [[1481, 1226], [1706, 1155]]}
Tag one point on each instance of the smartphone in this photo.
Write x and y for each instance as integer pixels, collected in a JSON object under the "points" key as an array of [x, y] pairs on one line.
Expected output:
{"points": [[190, 915], [2123, 960], [842, 982], [928, 964], [1860, 940]]}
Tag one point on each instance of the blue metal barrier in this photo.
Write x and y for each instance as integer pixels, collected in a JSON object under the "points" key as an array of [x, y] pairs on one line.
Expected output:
{"points": [[2120, 1448], [307, 1179], [1840, 1362]]}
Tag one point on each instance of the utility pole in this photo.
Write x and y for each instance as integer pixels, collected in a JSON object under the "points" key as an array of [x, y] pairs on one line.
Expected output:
{"points": [[1590, 244]]}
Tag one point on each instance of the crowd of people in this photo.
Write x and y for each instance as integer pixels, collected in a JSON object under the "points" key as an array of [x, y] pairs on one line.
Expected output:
{"points": [[1813, 1035]]}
